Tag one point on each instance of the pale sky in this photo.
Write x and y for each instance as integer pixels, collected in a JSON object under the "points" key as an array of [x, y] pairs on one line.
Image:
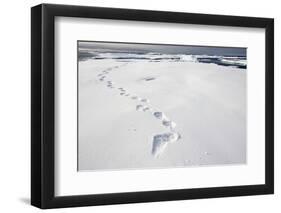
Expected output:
{"points": [[160, 48]]}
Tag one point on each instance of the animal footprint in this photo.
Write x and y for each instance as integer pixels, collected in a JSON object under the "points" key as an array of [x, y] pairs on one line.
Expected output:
{"points": [[147, 109], [161, 141], [158, 146], [168, 123], [160, 115], [139, 107], [144, 100]]}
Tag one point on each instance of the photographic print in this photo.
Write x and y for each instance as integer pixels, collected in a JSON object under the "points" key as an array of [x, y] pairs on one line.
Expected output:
{"points": [[180, 108], [160, 106]]}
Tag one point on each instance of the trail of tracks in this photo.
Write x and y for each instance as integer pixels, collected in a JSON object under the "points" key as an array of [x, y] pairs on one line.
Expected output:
{"points": [[159, 141]]}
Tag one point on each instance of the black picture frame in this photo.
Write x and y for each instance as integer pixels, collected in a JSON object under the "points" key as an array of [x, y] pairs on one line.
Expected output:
{"points": [[43, 102]]}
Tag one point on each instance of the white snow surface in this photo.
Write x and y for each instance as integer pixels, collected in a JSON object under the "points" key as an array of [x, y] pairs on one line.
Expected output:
{"points": [[139, 115]]}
